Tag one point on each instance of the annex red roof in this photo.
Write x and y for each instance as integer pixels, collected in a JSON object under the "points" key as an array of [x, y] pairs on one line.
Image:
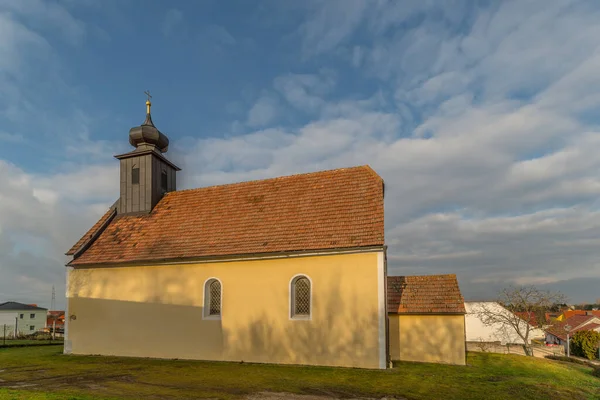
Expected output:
{"points": [[430, 294], [334, 209]]}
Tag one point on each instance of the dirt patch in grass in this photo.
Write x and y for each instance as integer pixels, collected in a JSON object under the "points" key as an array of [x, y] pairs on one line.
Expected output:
{"points": [[292, 396], [489, 376]]}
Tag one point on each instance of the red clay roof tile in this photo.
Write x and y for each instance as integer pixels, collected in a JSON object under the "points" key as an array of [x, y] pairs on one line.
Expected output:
{"points": [[340, 208], [430, 294]]}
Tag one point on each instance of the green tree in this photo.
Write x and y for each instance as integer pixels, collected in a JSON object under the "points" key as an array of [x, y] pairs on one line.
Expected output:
{"points": [[585, 344]]}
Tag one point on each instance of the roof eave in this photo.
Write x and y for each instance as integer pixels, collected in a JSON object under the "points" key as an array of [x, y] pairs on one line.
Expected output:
{"points": [[228, 257], [144, 152]]}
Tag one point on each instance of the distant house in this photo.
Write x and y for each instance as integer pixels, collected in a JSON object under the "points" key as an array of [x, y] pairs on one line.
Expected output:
{"points": [[426, 319], [551, 317], [477, 331], [556, 334], [570, 313], [24, 319], [55, 317]]}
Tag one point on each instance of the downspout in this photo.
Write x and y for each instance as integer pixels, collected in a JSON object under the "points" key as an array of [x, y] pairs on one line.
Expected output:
{"points": [[387, 317]]}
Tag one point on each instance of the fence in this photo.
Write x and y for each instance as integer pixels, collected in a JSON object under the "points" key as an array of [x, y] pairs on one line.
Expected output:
{"points": [[493, 347]]}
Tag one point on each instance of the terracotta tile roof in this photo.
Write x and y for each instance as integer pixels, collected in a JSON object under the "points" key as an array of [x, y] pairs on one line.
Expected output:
{"points": [[577, 323], [592, 327], [431, 294], [528, 316], [571, 313], [341, 208]]}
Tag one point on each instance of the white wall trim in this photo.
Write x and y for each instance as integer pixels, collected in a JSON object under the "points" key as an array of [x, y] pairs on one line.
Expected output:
{"points": [[382, 310], [67, 347], [205, 309], [291, 293]]}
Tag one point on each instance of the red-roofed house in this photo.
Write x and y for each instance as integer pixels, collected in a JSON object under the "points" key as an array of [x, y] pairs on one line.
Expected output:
{"points": [[570, 313], [426, 319], [55, 319], [283, 270], [556, 334]]}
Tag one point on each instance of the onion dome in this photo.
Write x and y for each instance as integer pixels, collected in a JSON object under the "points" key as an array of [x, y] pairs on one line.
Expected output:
{"points": [[146, 135]]}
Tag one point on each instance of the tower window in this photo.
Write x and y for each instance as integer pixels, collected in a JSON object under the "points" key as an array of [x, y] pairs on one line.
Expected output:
{"points": [[135, 175], [163, 180]]}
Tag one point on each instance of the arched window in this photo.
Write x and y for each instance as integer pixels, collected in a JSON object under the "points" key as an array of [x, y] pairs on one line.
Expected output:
{"points": [[301, 297], [212, 298], [163, 180]]}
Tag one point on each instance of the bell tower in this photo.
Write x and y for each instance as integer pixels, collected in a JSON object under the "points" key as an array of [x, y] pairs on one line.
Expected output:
{"points": [[145, 173]]}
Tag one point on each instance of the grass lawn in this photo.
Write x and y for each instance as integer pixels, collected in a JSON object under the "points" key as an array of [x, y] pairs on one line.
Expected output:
{"points": [[41, 373], [21, 342]]}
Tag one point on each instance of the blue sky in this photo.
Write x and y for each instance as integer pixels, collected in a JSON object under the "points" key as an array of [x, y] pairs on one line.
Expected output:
{"points": [[482, 117]]}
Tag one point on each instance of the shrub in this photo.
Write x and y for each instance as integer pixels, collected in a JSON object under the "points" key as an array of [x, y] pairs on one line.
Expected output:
{"points": [[585, 344]]}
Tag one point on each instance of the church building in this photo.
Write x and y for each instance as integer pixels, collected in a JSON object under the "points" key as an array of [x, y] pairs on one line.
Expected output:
{"points": [[287, 270]]}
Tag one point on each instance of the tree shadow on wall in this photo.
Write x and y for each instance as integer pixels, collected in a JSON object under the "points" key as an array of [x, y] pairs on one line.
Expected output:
{"points": [[428, 339], [151, 316], [337, 334]]}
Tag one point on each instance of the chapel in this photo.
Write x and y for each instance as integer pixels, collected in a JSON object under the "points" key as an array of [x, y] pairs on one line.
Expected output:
{"points": [[283, 270], [288, 270]]}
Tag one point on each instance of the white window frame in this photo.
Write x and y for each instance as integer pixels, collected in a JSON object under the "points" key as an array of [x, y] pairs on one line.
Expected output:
{"points": [[206, 299], [292, 296]]}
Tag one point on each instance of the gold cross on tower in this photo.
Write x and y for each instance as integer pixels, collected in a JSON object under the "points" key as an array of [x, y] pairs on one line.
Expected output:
{"points": [[148, 103]]}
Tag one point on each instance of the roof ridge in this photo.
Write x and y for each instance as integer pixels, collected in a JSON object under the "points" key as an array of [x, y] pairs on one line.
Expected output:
{"points": [[365, 167]]}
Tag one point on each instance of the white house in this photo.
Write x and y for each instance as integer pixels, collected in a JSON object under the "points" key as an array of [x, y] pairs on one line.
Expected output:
{"points": [[477, 331], [21, 319]]}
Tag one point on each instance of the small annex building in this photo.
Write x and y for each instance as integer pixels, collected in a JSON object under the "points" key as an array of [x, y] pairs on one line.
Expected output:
{"points": [[426, 319], [287, 270]]}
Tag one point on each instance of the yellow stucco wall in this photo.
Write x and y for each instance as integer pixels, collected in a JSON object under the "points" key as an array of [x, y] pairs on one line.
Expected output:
{"points": [[157, 311], [428, 338]]}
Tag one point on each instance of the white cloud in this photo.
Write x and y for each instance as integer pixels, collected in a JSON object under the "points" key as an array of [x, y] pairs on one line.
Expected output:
{"points": [[173, 20], [11, 137], [330, 23], [490, 172], [40, 220], [218, 36], [482, 135], [305, 91], [48, 16], [263, 112]]}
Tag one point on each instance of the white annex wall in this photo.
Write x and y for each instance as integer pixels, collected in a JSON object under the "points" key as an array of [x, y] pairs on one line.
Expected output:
{"points": [[477, 331]]}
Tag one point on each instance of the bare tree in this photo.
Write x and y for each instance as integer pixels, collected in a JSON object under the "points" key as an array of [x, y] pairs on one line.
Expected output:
{"points": [[522, 308]]}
